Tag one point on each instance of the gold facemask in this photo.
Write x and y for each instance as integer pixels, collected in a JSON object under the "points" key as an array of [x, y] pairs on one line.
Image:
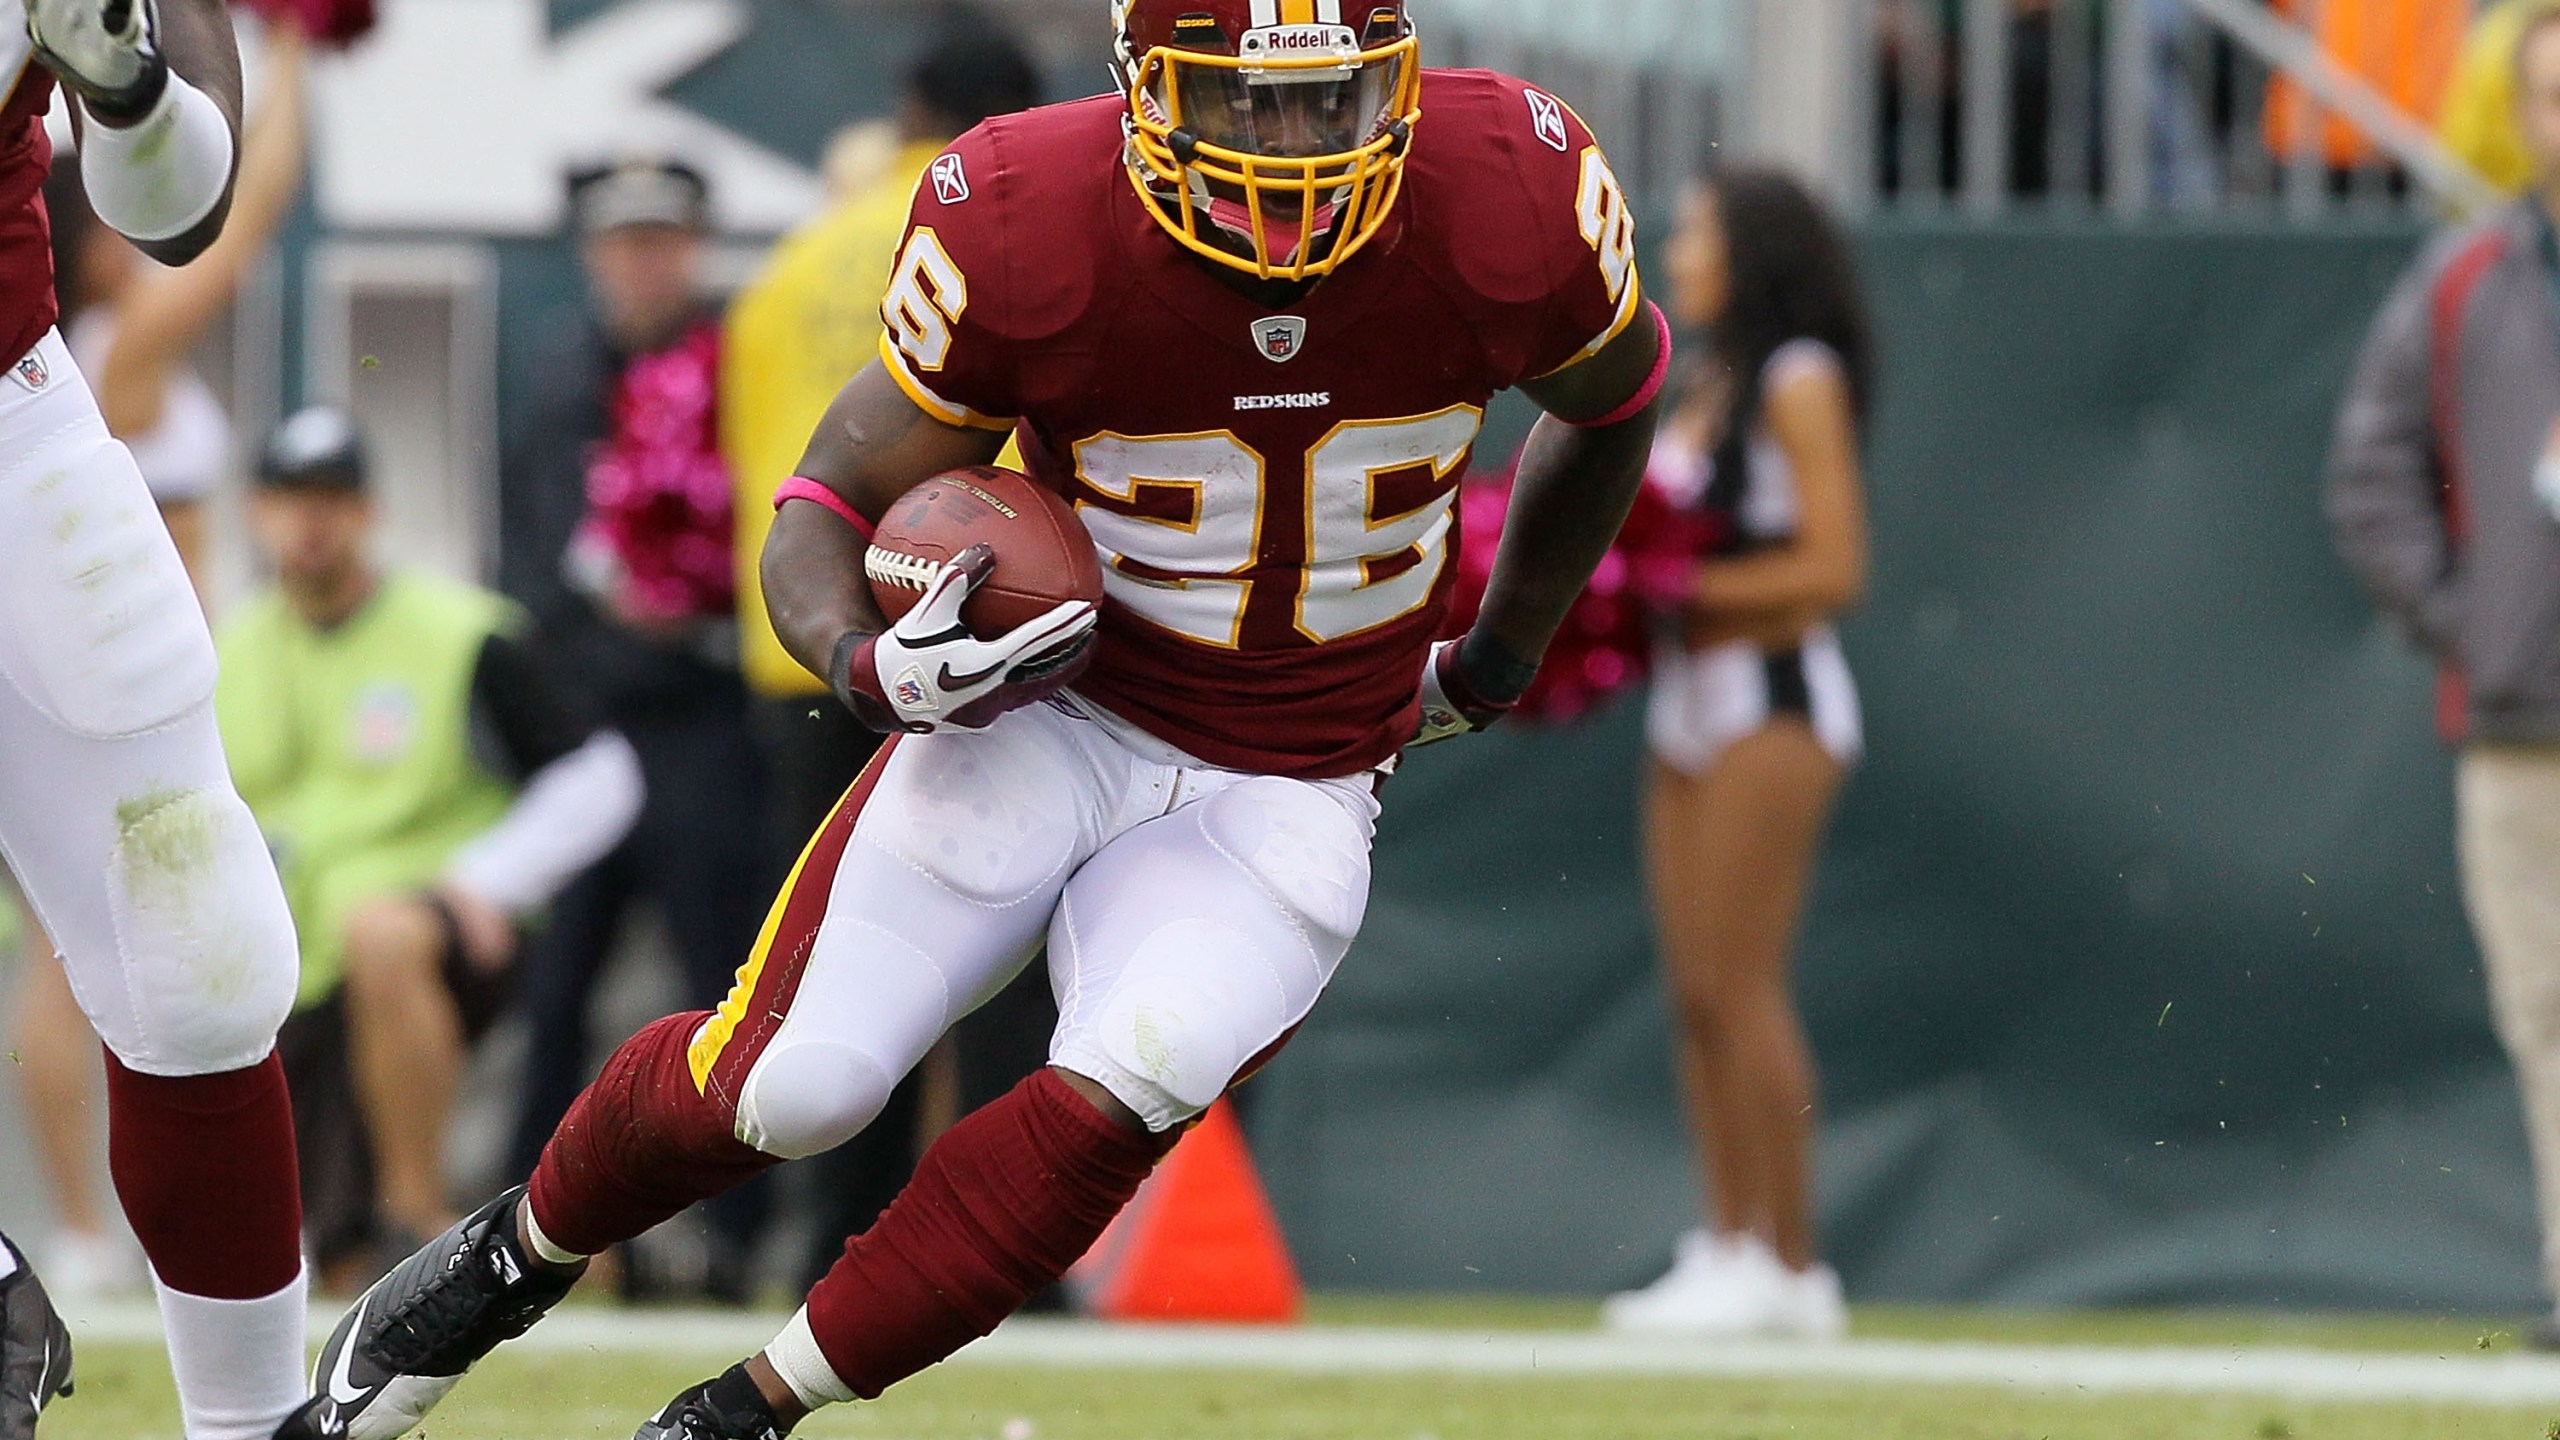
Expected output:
{"points": [[1288, 156]]}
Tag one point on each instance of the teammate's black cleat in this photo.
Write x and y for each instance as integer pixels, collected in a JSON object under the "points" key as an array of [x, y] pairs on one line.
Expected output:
{"points": [[35, 1350], [406, 1343], [729, 1408]]}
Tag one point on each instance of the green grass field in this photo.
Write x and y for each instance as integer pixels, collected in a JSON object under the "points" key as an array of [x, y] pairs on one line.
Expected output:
{"points": [[124, 1393]]}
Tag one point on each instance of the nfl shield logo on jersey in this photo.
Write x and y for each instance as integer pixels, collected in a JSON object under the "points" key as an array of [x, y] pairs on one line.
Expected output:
{"points": [[1280, 338], [33, 373]]}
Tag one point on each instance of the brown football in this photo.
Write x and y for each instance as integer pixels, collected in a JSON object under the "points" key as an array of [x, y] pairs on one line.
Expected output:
{"points": [[1044, 558]]}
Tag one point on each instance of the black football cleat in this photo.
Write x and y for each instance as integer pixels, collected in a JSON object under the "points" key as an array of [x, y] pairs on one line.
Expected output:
{"points": [[35, 1350], [409, 1339], [729, 1408]]}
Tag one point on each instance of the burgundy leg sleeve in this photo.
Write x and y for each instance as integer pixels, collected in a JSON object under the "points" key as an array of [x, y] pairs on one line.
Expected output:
{"points": [[639, 1146], [205, 1167], [999, 1207]]}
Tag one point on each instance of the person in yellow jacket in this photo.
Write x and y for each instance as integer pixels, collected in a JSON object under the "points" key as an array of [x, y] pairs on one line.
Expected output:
{"points": [[2478, 122], [808, 321], [805, 325]]}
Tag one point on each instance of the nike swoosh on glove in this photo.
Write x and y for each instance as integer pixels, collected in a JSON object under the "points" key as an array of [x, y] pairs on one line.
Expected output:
{"points": [[1451, 705], [106, 50], [928, 671]]}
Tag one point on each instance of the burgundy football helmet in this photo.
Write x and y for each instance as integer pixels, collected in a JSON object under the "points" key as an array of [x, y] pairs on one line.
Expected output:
{"points": [[1269, 135]]}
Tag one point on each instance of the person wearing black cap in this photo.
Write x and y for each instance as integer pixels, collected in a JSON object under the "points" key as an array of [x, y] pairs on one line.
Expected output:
{"points": [[426, 790], [617, 534]]}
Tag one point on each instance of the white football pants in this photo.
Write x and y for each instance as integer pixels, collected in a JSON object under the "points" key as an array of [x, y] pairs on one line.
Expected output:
{"points": [[117, 812], [1192, 917]]}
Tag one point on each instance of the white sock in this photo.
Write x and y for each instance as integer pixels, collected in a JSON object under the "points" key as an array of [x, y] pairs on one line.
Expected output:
{"points": [[238, 1362], [543, 1247], [795, 1356]]}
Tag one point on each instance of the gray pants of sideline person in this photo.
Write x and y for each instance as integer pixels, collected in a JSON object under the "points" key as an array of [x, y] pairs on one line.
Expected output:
{"points": [[2510, 839]]}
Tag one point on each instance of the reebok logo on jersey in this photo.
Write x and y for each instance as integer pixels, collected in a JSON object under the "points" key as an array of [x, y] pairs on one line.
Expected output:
{"points": [[1310, 400], [950, 180], [1547, 113]]}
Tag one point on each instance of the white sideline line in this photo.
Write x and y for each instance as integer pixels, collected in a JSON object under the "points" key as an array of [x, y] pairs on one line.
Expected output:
{"points": [[2291, 1373]]}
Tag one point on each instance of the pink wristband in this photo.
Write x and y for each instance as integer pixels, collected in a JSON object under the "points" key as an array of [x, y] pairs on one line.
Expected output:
{"points": [[1652, 387], [800, 487]]}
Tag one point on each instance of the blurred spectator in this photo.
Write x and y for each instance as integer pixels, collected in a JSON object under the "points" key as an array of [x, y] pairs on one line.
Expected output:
{"points": [[132, 326], [1753, 725], [2186, 166], [796, 335], [2444, 490], [426, 788], [2479, 119], [617, 535], [2403, 48]]}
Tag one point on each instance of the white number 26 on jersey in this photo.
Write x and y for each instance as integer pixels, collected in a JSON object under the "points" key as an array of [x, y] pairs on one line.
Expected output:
{"points": [[1185, 521]]}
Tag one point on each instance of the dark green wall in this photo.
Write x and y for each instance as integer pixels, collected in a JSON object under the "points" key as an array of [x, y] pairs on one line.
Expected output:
{"points": [[2137, 968]]}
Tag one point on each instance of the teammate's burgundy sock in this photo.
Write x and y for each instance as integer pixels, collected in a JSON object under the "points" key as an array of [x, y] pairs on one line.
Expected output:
{"points": [[205, 1167], [639, 1146], [999, 1207]]}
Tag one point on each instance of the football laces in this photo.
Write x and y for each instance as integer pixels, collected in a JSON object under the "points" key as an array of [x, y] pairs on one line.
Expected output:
{"points": [[893, 567]]}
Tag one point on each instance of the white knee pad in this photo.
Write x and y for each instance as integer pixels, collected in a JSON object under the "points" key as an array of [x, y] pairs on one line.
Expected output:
{"points": [[1198, 1004], [99, 627], [209, 961], [807, 1097]]}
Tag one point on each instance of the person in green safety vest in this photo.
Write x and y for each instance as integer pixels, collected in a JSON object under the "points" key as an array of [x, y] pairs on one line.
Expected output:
{"points": [[426, 789]]}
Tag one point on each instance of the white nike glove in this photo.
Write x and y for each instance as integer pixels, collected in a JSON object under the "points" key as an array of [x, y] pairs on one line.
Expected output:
{"points": [[928, 671], [108, 51]]}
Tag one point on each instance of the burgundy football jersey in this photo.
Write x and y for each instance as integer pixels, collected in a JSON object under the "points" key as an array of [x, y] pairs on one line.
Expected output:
{"points": [[26, 252], [1271, 490]]}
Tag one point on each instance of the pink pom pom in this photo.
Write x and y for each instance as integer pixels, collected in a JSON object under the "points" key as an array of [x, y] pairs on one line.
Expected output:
{"points": [[332, 24]]}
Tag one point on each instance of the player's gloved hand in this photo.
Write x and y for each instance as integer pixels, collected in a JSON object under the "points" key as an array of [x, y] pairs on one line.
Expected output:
{"points": [[1467, 685], [106, 51], [928, 671]]}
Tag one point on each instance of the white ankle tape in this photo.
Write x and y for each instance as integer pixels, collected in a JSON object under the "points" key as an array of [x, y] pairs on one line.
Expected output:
{"points": [[543, 1250], [795, 1356], [159, 179]]}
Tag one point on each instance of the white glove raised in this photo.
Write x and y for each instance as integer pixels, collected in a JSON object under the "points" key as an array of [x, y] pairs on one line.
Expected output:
{"points": [[928, 671], [107, 51]]}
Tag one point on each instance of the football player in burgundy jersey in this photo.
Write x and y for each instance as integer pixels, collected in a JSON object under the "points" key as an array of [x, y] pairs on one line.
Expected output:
{"points": [[1246, 316], [116, 809]]}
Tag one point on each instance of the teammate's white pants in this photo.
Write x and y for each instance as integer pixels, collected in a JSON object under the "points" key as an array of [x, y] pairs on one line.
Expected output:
{"points": [[116, 810], [1192, 917]]}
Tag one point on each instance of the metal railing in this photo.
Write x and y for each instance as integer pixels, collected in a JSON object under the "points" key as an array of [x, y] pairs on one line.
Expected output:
{"points": [[2135, 108], [1652, 77], [1985, 107]]}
